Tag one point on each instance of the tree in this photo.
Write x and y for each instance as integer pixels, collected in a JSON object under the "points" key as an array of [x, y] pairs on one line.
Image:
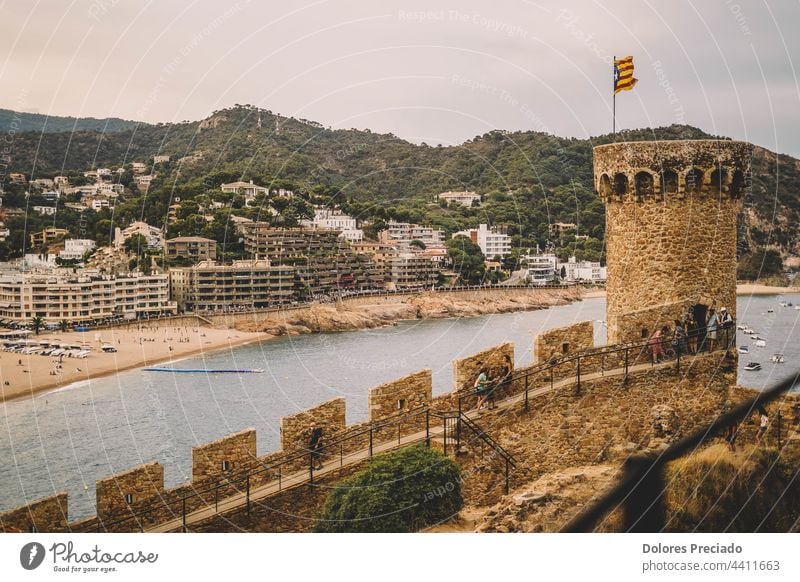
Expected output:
{"points": [[467, 259], [136, 244], [418, 243], [402, 491], [761, 263], [37, 322], [63, 325]]}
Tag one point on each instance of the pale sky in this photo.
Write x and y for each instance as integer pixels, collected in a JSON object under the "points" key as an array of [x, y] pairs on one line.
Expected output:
{"points": [[439, 71]]}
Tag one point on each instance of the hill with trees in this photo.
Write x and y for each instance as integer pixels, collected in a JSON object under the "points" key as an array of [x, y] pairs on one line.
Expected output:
{"points": [[528, 180]]}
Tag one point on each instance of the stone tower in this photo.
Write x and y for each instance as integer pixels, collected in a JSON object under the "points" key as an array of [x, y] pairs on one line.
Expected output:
{"points": [[671, 215]]}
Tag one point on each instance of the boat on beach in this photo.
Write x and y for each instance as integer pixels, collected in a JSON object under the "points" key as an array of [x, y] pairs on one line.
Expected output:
{"points": [[206, 370]]}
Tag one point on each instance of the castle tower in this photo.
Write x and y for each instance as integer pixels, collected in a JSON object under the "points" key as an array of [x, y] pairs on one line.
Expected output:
{"points": [[671, 215]]}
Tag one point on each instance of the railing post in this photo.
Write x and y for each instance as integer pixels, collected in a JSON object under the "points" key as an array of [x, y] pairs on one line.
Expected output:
{"points": [[678, 359], [216, 498], [183, 513], [578, 385], [280, 477], [779, 430], [341, 454], [427, 427], [458, 435], [444, 434], [247, 489], [311, 467], [625, 378], [370, 441], [506, 476], [398, 432], [527, 386]]}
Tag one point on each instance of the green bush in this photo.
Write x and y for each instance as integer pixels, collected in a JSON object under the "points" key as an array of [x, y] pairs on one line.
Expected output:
{"points": [[402, 491]]}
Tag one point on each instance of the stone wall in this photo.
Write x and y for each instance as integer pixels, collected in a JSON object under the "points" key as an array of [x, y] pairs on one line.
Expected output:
{"points": [[562, 341], [635, 326], [119, 492], [296, 429], [466, 370], [48, 514], [237, 451], [671, 222], [408, 392]]}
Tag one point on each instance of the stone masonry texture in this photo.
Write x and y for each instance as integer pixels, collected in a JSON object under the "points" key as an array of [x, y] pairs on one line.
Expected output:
{"points": [[296, 429], [237, 450], [563, 340], [466, 370], [671, 214], [406, 393], [118, 492], [48, 514]]}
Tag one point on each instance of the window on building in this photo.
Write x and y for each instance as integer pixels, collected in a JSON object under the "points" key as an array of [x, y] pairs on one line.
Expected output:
{"points": [[565, 347], [129, 498], [401, 404], [226, 466]]}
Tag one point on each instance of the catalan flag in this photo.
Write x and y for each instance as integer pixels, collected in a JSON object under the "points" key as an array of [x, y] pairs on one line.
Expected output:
{"points": [[623, 75]]}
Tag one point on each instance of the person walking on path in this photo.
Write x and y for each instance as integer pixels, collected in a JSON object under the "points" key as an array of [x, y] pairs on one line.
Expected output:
{"points": [[503, 380], [315, 446], [481, 387], [679, 339], [762, 425], [656, 343], [711, 329], [691, 332]]}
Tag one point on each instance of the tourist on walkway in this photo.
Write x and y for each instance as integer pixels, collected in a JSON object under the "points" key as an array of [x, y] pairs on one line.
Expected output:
{"points": [[315, 446], [763, 424], [679, 339], [503, 380], [711, 329], [691, 332], [656, 343], [726, 323], [481, 389]]}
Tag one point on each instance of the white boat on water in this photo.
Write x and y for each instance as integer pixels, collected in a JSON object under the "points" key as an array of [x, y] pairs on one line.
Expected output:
{"points": [[743, 349], [783, 304], [776, 359], [761, 343], [752, 367]]}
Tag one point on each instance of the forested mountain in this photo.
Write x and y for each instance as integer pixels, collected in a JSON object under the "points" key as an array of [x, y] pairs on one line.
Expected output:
{"points": [[528, 179], [38, 123]]}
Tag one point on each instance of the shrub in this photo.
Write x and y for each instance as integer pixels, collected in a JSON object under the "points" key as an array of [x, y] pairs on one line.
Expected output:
{"points": [[402, 491]]}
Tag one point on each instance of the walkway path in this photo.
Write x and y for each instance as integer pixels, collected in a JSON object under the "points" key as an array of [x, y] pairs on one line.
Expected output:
{"points": [[293, 480]]}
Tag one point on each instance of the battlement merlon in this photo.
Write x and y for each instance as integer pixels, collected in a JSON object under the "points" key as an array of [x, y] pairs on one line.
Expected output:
{"points": [[643, 170]]}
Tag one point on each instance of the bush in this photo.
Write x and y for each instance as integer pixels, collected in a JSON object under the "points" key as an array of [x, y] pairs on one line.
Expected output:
{"points": [[402, 491]]}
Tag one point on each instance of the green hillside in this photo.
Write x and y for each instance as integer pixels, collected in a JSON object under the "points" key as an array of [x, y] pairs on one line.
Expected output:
{"points": [[38, 123], [529, 180]]}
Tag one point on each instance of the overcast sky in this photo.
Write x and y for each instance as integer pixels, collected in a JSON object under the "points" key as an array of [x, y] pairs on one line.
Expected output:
{"points": [[437, 71]]}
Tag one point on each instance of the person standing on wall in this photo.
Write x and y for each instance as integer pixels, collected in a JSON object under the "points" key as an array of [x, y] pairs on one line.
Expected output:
{"points": [[711, 329], [503, 380], [315, 446], [481, 387], [763, 424]]}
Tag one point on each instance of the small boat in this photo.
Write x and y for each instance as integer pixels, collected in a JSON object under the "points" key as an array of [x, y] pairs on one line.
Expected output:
{"points": [[748, 330], [205, 370], [797, 307], [744, 349], [761, 343], [783, 304], [776, 359], [789, 304], [108, 348], [753, 367], [755, 336], [770, 310], [740, 327]]}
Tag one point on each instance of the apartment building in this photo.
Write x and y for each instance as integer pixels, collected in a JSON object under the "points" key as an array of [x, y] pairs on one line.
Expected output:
{"points": [[494, 242], [463, 198], [46, 236], [402, 233], [333, 218], [75, 248], [410, 270], [193, 248]]}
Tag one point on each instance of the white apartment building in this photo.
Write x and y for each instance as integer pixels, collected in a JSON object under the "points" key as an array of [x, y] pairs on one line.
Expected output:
{"points": [[402, 233], [108, 188], [43, 183], [247, 189], [45, 210], [160, 159], [462, 198], [155, 239], [494, 242], [83, 298], [75, 248], [583, 271], [335, 219], [61, 182], [4, 232], [541, 268], [139, 167]]}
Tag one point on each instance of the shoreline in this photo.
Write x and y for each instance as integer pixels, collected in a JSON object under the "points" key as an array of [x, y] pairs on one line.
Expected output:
{"points": [[742, 289], [31, 375]]}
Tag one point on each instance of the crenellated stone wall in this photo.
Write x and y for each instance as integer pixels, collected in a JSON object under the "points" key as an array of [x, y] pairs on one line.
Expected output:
{"points": [[237, 451], [48, 514], [562, 341], [296, 429], [466, 370], [118, 493], [406, 393], [637, 325]]}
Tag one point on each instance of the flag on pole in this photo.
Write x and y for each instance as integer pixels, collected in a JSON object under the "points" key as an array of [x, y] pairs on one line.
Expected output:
{"points": [[623, 75]]}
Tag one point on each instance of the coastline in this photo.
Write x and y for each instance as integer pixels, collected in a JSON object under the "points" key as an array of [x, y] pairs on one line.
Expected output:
{"points": [[741, 289], [149, 346]]}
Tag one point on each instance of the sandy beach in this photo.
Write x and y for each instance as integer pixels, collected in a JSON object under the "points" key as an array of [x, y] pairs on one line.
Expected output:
{"points": [[23, 375], [741, 289]]}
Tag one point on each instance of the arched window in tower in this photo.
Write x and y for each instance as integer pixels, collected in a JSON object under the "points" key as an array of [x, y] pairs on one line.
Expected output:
{"points": [[644, 184], [694, 181], [669, 182], [620, 184], [737, 184], [718, 178], [604, 189]]}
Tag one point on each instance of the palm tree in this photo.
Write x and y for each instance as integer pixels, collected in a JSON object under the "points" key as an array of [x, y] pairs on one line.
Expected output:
{"points": [[37, 321], [63, 325]]}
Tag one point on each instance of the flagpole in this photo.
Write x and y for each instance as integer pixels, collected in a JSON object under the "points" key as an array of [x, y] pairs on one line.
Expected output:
{"points": [[614, 97]]}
